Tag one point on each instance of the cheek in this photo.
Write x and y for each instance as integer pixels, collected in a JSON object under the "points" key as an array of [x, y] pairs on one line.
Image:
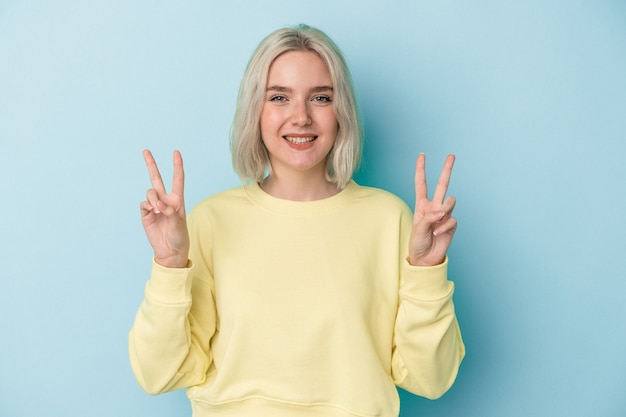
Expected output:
{"points": [[331, 122], [264, 123], [269, 119]]}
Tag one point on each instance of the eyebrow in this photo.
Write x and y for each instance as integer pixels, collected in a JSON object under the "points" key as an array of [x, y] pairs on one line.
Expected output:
{"points": [[281, 89]]}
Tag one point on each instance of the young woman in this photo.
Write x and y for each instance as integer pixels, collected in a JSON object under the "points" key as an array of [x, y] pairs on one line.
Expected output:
{"points": [[299, 293]]}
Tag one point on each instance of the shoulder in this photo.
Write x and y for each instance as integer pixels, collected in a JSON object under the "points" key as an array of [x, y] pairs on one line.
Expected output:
{"points": [[223, 200], [229, 196], [379, 198]]}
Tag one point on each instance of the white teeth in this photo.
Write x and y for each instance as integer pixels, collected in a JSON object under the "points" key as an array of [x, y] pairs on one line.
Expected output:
{"points": [[300, 140]]}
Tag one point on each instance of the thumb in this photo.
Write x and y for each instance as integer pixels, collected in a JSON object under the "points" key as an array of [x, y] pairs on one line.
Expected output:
{"points": [[166, 209], [425, 225]]}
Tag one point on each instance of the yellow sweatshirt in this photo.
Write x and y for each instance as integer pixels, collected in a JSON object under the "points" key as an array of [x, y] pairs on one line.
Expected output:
{"points": [[297, 309]]}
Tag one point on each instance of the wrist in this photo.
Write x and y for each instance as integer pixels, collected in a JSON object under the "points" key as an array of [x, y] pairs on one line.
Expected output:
{"points": [[172, 262], [418, 261]]}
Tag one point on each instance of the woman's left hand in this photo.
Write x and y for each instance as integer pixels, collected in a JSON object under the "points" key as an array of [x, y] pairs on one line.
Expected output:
{"points": [[433, 224]]}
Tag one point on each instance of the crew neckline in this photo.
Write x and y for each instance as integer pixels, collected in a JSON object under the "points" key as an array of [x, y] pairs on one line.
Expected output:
{"points": [[299, 208]]}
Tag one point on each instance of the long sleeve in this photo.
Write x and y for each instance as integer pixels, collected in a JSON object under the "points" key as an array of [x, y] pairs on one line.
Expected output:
{"points": [[169, 343], [297, 308], [428, 348], [168, 347]]}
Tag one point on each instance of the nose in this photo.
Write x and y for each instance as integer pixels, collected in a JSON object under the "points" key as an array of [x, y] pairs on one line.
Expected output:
{"points": [[301, 114]]}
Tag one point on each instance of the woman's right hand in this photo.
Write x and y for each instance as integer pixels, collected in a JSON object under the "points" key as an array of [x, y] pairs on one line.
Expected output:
{"points": [[163, 215]]}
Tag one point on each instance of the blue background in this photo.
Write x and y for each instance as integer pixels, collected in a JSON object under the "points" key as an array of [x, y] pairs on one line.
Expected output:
{"points": [[531, 96]]}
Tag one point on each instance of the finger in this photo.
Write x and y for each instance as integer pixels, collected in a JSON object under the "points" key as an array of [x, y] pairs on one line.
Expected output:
{"points": [[153, 199], [444, 180], [421, 189], [153, 170], [166, 209], [178, 183], [448, 205], [449, 226], [145, 208], [428, 221]]}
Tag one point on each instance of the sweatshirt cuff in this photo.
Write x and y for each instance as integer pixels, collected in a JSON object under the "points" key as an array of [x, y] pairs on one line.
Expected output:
{"points": [[426, 283], [169, 285]]}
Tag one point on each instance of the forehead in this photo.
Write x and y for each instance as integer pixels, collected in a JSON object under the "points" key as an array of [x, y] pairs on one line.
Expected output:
{"points": [[300, 68]]}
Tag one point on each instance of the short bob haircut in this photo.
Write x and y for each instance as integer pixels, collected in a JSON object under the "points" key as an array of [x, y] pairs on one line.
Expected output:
{"points": [[250, 156]]}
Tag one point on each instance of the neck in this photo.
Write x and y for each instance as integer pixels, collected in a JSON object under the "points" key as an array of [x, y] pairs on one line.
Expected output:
{"points": [[298, 188]]}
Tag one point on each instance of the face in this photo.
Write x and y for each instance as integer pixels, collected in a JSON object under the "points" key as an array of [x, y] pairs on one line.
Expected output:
{"points": [[298, 123]]}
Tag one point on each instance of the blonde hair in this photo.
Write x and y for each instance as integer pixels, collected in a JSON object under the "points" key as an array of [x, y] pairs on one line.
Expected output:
{"points": [[249, 154]]}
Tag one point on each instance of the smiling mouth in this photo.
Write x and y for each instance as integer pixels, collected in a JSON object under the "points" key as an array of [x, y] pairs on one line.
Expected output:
{"points": [[300, 140]]}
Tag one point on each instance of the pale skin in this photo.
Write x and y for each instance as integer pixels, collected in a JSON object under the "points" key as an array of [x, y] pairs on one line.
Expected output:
{"points": [[433, 224], [298, 106], [163, 215], [164, 219], [298, 127]]}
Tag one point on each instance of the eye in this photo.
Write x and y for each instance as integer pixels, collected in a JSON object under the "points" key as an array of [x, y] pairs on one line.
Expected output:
{"points": [[278, 98], [322, 99]]}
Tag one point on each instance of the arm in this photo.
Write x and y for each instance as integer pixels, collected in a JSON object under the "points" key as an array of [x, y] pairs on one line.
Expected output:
{"points": [[428, 348], [169, 341]]}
